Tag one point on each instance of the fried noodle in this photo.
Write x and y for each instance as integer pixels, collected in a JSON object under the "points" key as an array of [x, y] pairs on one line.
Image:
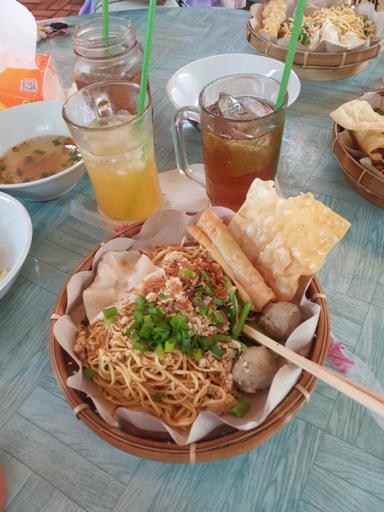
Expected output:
{"points": [[173, 386]]}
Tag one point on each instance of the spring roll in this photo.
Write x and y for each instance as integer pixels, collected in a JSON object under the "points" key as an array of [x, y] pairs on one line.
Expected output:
{"points": [[230, 251], [371, 142]]}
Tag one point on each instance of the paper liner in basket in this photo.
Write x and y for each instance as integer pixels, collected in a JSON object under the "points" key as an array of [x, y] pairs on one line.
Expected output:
{"points": [[165, 228], [376, 100], [328, 40]]}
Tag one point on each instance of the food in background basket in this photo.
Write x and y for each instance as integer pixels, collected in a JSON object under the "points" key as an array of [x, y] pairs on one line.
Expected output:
{"points": [[366, 126], [338, 24], [170, 343], [273, 15]]}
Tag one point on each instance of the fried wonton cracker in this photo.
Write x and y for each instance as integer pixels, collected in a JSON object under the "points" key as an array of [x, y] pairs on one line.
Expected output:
{"points": [[285, 238], [358, 115]]}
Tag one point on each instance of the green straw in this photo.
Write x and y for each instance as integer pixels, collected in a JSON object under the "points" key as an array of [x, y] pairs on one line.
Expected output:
{"points": [[300, 6], [105, 20], [147, 56]]}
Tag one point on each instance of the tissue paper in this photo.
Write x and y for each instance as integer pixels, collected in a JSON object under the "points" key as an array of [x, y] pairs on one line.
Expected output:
{"points": [[18, 36]]}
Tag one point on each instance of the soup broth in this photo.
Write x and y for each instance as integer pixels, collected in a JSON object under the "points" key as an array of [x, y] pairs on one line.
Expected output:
{"points": [[38, 158]]}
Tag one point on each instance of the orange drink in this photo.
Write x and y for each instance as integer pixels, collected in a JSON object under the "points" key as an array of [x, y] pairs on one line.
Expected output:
{"points": [[125, 189], [117, 147]]}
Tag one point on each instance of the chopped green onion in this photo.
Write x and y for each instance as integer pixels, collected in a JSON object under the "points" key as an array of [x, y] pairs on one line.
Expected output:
{"points": [[198, 300], [197, 354], [140, 346], [227, 282], [217, 351], [131, 327], [223, 338], [56, 142], [186, 272], [159, 349], [39, 151], [153, 310], [110, 314], [146, 330], [216, 317], [134, 335], [170, 345], [233, 311], [186, 344], [205, 343], [159, 396], [140, 302], [179, 322], [138, 316], [90, 372], [163, 296], [207, 290], [205, 276], [218, 302], [242, 318], [160, 333], [204, 311], [240, 408]]}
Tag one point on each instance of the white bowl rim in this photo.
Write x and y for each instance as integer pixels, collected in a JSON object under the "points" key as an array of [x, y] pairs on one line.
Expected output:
{"points": [[32, 184], [27, 243], [180, 70]]}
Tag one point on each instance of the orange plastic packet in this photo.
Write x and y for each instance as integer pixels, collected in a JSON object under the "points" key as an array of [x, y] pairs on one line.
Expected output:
{"points": [[19, 85]]}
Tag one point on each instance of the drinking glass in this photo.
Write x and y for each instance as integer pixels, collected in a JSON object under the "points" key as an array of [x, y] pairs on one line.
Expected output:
{"points": [[116, 144], [236, 150]]}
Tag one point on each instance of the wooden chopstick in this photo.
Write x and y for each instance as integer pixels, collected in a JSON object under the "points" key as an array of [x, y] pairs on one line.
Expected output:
{"points": [[357, 392]]}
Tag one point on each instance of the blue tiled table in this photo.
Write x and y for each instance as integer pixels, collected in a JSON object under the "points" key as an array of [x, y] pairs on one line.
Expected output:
{"points": [[330, 458]]}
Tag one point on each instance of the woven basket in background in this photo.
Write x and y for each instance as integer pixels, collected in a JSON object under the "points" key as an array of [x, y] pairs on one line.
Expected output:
{"points": [[315, 65]]}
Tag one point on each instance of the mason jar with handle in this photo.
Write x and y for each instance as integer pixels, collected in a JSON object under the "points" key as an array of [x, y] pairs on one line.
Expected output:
{"points": [[241, 134]]}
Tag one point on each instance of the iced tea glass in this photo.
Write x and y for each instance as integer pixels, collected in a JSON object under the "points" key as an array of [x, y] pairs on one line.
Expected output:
{"points": [[116, 144], [236, 150]]}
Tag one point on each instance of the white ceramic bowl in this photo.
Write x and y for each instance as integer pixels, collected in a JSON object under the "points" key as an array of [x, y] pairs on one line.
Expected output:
{"points": [[184, 86], [15, 239], [34, 120]]}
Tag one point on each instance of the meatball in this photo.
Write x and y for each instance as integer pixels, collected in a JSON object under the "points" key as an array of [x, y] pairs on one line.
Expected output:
{"points": [[255, 369], [279, 319]]}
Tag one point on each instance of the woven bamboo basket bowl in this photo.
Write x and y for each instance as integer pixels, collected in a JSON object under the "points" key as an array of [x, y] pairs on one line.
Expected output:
{"points": [[220, 444], [315, 65], [364, 181]]}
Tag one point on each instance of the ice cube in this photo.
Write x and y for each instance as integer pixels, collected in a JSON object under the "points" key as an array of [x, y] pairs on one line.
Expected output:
{"points": [[241, 107], [104, 107], [228, 105], [254, 106]]}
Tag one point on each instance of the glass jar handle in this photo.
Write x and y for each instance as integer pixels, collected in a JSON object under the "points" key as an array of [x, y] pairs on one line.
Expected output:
{"points": [[182, 115]]}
